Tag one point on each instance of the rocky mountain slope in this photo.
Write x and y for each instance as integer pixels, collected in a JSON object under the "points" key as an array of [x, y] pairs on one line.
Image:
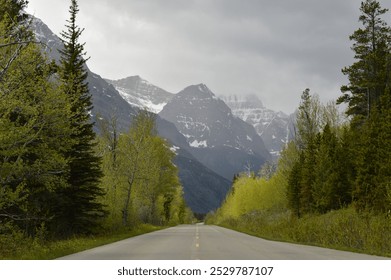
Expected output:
{"points": [[275, 128], [218, 139], [140, 93]]}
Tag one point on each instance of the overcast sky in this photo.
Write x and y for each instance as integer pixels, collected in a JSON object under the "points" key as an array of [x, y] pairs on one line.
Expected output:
{"points": [[274, 49]]}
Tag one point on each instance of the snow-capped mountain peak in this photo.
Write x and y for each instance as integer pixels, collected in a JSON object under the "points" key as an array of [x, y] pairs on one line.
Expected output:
{"points": [[199, 92], [206, 121], [220, 140], [141, 93], [273, 127]]}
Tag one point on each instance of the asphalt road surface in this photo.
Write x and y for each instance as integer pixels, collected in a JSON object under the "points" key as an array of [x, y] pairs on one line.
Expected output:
{"points": [[205, 242]]}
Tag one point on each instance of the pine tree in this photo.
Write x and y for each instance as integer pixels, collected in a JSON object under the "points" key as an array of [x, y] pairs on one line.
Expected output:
{"points": [[308, 126], [369, 75], [307, 120], [294, 187], [78, 210], [331, 189], [373, 187], [308, 176]]}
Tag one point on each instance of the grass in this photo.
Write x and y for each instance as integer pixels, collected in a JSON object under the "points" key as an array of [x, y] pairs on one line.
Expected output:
{"points": [[19, 248], [342, 230]]}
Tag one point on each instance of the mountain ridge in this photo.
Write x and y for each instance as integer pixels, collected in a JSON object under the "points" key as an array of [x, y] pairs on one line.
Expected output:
{"points": [[218, 139], [275, 128], [142, 94], [204, 190]]}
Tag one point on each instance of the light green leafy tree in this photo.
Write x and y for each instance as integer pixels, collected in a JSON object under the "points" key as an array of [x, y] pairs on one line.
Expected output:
{"points": [[33, 116]]}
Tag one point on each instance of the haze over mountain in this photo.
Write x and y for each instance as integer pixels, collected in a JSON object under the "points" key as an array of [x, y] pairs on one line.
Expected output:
{"points": [[275, 128]]}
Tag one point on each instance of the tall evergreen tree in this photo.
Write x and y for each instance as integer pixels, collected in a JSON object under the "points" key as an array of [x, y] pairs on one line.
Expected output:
{"points": [[307, 120], [369, 75], [78, 210], [373, 183], [331, 189], [367, 94], [294, 187], [308, 126]]}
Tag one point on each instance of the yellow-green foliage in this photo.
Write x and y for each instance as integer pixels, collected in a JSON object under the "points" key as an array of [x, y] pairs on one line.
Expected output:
{"points": [[140, 180], [253, 194]]}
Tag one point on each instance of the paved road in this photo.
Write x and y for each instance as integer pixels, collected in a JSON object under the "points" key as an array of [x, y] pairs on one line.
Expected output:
{"points": [[205, 242]]}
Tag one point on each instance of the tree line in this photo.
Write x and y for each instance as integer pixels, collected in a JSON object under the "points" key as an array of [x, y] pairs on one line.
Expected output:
{"points": [[57, 177], [335, 161], [351, 164]]}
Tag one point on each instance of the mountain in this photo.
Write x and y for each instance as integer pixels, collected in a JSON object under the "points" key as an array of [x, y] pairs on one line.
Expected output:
{"points": [[204, 190], [140, 93], [275, 128], [218, 139], [106, 99]]}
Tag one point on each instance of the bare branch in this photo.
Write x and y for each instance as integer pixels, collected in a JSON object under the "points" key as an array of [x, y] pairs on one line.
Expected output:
{"points": [[21, 43], [24, 218], [12, 59]]}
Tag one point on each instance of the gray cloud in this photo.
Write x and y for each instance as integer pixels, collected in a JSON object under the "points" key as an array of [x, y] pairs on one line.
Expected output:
{"points": [[274, 49]]}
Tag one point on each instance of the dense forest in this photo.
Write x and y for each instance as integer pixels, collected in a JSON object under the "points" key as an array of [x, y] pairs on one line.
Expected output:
{"points": [[58, 178], [332, 184]]}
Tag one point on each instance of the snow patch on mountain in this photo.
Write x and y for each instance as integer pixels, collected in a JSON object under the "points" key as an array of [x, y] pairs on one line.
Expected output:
{"points": [[199, 144], [273, 127], [141, 93], [206, 121]]}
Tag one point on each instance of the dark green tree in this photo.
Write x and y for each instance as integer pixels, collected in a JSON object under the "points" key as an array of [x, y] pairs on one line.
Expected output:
{"points": [[373, 187], [331, 189], [294, 187], [78, 210], [367, 97], [369, 75], [308, 126], [308, 176]]}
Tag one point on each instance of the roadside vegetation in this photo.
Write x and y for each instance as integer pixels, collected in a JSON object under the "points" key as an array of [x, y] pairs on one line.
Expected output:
{"points": [[332, 184], [64, 188], [20, 247]]}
